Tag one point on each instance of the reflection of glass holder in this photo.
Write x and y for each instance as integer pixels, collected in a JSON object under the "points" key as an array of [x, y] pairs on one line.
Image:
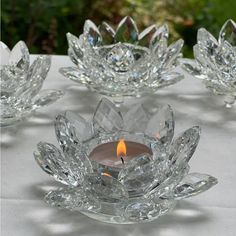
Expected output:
{"points": [[21, 83], [123, 62], [215, 61], [146, 184]]}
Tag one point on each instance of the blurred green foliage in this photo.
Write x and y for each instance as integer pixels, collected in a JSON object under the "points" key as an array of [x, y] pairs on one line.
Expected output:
{"points": [[42, 24]]}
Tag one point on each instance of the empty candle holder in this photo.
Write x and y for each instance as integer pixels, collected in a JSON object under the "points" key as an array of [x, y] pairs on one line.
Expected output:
{"points": [[123, 62], [21, 83], [121, 169], [215, 61]]}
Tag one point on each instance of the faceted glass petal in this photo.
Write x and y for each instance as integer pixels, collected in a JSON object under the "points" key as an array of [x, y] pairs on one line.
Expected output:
{"points": [[61, 169], [138, 175], [75, 74], [46, 97], [19, 56], [65, 132], [142, 210], [73, 199], [206, 43], [83, 129], [136, 119], [161, 125], [191, 67], [173, 52], [228, 33], [5, 53], [162, 32], [107, 33], [92, 33], [105, 187], [75, 45], [146, 36], [42, 163], [203, 59], [36, 76], [193, 184], [39, 68], [183, 147], [107, 117], [127, 31]]}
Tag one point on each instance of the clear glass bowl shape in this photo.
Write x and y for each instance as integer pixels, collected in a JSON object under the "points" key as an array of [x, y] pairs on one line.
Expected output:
{"points": [[215, 61], [21, 83], [123, 62], [145, 188]]}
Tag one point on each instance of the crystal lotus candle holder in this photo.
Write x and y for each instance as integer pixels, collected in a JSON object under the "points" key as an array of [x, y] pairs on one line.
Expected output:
{"points": [[215, 61], [21, 83], [123, 62], [121, 169]]}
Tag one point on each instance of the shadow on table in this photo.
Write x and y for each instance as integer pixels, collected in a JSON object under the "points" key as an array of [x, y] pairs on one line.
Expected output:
{"points": [[52, 221], [12, 135]]}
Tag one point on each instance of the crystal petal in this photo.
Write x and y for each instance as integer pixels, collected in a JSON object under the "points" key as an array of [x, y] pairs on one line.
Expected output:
{"points": [[42, 163], [107, 117], [193, 184], [5, 53], [107, 33], [184, 146], [228, 33], [73, 199], [167, 79], [162, 32], [146, 35], [161, 125], [191, 67], [78, 161], [203, 59], [127, 31], [207, 46], [56, 162], [36, 76], [173, 52], [92, 33], [65, 132], [19, 56], [105, 187], [75, 47], [138, 175], [159, 52], [39, 68], [83, 129], [136, 119], [142, 210], [75, 74], [46, 97]]}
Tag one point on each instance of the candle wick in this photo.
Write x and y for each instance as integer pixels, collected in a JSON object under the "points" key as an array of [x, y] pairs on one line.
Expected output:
{"points": [[123, 162]]}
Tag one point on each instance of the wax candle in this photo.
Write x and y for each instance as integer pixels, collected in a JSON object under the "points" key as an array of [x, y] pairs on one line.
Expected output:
{"points": [[107, 154]]}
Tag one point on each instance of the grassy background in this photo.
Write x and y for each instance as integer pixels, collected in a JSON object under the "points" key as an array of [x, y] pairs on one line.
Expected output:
{"points": [[42, 24]]}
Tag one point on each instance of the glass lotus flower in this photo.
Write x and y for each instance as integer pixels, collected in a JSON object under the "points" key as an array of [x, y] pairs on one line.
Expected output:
{"points": [[123, 62], [215, 61], [145, 188], [21, 83]]}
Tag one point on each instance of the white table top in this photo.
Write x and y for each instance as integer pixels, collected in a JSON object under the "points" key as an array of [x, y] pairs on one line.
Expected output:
{"points": [[24, 184]]}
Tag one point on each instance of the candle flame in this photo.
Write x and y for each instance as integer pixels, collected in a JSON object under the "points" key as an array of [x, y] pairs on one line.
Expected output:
{"points": [[121, 148], [106, 174]]}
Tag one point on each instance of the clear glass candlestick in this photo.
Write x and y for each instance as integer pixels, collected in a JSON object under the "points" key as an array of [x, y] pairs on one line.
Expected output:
{"points": [[21, 83], [123, 62], [215, 61], [143, 186]]}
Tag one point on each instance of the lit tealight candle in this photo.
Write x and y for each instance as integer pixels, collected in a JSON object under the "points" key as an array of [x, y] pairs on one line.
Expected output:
{"points": [[116, 154]]}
